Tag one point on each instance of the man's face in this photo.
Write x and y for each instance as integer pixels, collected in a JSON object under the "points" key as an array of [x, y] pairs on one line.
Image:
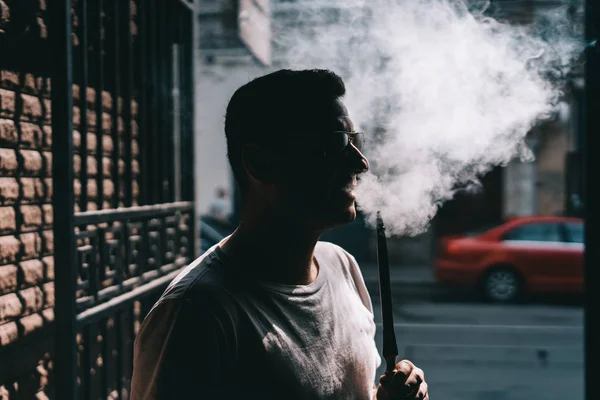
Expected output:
{"points": [[316, 188]]}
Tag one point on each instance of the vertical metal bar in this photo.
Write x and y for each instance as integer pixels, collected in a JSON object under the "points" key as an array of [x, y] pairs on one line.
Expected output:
{"points": [[195, 52], [127, 84], [93, 390], [99, 9], [83, 108], [80, 365], [63, 198], [115, 110], [95, 262], [154, 63], [163, 244], [181, 17], [128, 337], [147, 246], [86, 362], [169, 162], [131, 338], [105, 351], [161, 141], [143, 101], [149, 133], [591, 198], [192, 37], [189, 62], [176, 124], [121, 342], [121, 373]]}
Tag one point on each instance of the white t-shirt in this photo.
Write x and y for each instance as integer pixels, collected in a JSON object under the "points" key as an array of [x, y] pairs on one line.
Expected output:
{"points": [[216, 333]]}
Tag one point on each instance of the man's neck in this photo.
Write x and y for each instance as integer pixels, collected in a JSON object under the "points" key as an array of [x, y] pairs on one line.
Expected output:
{"points": [[273, 250]]}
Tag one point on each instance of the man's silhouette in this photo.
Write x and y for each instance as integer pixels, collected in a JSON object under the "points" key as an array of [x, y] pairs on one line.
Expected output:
{"points": [[271, 312]]}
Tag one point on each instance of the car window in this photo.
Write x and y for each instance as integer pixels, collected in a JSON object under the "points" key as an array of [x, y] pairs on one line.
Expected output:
{"points": [[574, 232], [539, 232], [482, 229]]}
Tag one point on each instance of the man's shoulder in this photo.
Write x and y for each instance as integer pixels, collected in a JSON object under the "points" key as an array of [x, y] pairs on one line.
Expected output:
{"points": [[206, 272], [333, 251], [338, 260]]}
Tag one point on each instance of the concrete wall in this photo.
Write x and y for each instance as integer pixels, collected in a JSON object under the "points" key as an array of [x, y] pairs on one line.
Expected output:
{"points": [[539, 187], [519, 189], [214, 87]]}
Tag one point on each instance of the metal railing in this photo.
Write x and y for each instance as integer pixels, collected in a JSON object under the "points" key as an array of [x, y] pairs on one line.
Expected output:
{"points": [[132, 65], [125, 258]]}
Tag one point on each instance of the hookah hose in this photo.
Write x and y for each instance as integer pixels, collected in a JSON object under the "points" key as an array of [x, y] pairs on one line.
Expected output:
{"points": [[390, 347]]}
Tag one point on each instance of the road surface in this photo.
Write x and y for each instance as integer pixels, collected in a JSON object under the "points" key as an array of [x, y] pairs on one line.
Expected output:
{"points": [[475, 351]]}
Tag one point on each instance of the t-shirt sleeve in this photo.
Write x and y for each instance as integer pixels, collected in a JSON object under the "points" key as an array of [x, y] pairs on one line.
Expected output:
{"points": [[184, 350]]}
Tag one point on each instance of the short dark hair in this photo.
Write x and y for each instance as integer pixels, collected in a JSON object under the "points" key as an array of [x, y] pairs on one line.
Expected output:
{"points": [[271, 106]]}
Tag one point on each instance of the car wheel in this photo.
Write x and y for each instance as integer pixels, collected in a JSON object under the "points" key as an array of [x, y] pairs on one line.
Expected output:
{"points": [[502, 285]]}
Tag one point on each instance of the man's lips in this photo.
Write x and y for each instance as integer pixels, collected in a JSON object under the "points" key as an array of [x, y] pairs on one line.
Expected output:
{"points": [[349, 185], [345, 189], [348, 191]]}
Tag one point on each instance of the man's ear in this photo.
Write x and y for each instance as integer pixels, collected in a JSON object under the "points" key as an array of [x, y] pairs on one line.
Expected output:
{"points": [[259, 163]]}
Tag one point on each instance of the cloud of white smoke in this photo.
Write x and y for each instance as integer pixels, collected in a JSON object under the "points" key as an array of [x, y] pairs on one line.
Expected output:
{"points": [[443, 92]]}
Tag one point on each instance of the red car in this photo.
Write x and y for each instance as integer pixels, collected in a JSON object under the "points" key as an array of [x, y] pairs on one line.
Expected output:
{"points": [[522, 255]]}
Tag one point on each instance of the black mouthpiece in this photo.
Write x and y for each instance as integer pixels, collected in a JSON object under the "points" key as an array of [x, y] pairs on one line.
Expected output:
{"points": [[380, 225]]}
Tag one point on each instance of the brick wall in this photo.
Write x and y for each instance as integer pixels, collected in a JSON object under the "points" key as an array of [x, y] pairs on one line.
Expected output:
{"points": [[26, 240], [26, 236], [103, 132]]}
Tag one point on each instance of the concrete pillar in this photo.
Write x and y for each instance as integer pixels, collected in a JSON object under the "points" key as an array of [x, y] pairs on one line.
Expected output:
{"points": [[519, 189]]}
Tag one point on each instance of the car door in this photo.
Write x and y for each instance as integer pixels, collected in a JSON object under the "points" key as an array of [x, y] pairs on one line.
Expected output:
{"points": [[574, 246], [539, 251]]}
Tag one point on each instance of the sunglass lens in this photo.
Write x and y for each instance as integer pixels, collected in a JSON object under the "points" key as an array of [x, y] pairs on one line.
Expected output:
{"points": [[357, 140], [336, 142]]}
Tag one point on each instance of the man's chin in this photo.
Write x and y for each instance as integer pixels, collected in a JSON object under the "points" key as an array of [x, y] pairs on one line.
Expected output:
{"points": [[341, 216]]}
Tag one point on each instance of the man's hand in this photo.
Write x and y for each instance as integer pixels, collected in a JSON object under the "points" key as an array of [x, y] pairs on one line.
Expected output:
{"points": [[405, 382]]}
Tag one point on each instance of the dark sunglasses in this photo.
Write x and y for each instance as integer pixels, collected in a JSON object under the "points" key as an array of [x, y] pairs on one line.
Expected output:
{"points": [[337, 141], [330, 143]]}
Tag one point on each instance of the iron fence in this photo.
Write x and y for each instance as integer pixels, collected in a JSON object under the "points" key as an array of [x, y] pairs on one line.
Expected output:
{"points": [[125, 258], [121, 76], [120, 258]]}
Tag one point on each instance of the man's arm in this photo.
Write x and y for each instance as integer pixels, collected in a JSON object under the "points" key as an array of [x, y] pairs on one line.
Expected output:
{"points": [[181, 351]]}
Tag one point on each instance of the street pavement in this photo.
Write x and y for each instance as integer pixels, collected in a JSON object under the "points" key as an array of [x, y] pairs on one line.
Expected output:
{"points": [[471, 350]]}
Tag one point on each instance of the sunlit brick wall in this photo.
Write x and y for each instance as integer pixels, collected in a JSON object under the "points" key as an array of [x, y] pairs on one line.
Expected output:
{"points": [[26, 236], [26, 244]]}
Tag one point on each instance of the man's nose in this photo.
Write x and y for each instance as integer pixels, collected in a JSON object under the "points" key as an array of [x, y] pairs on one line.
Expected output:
{"points": [[356, 160]]}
